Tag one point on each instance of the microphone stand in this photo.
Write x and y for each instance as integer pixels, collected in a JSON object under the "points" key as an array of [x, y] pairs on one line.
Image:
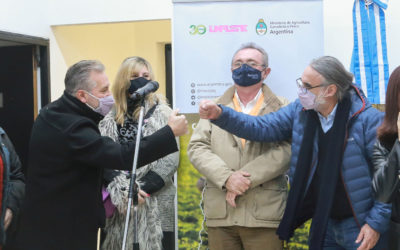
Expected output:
{"points": [[132, 186]]}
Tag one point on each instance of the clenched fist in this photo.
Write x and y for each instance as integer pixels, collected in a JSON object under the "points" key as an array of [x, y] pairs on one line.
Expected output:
{"points": [[178, 123], [209, 110]]}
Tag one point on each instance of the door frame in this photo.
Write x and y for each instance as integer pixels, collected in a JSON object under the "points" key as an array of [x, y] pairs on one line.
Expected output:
{"points": [[42, 56], [168, 73], [25, 39]]}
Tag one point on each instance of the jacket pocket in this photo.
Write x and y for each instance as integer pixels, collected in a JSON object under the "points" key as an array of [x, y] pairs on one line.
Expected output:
{"points": [[214, 203], [269, 203]]}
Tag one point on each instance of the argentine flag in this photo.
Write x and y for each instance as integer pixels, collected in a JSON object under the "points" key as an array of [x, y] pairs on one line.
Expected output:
{"points": [[369, 62]]}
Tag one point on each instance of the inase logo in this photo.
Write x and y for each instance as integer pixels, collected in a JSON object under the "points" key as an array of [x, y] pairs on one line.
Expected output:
{"points": [[228, 28], [202, 29], [261, 27]]}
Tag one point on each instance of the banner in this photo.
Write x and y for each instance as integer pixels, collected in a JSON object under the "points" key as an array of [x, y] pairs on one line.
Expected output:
{"points": [[206, 34]]}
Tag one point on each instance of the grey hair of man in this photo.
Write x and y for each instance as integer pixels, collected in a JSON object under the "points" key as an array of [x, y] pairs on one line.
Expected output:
{"points": [[333, 72], [78, 76], [252, 45]]}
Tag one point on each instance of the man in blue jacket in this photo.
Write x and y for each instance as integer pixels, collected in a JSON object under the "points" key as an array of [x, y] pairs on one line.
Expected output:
{"points": [[333, 129]]}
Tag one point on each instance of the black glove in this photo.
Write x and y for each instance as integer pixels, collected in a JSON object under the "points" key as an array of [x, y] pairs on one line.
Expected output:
{"points": [[152, 182]]}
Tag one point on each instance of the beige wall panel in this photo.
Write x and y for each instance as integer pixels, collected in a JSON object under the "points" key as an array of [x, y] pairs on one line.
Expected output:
{"points": [[111, 43]]}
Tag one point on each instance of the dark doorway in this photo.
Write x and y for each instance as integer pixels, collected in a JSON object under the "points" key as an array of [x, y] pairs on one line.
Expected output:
{"points": [[16, 88], [168, 74], [24, 86]]}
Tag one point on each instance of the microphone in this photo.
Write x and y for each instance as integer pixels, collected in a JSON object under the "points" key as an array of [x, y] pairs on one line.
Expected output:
{"points": [[143, 91]]}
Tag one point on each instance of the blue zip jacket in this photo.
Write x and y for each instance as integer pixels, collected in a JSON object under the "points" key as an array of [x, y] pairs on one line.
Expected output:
{"points": [[288, 124]]}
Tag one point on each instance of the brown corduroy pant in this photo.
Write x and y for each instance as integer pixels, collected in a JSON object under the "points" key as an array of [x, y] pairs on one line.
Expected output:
{"points": [[243, 238]]}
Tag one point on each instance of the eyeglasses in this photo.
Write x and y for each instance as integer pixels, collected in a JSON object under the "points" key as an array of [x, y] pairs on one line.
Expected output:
{"points": [[304, 87], [237, 65]]}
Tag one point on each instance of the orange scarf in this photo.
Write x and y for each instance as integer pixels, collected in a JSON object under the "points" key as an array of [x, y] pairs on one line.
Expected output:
{"points": [[253, 112]]}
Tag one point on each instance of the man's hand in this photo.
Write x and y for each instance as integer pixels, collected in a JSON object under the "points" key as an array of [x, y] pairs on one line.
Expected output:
{"points": [[230, 198], [178, 123], [209, 110], [368, 236], [238, 183], [8, 218]]}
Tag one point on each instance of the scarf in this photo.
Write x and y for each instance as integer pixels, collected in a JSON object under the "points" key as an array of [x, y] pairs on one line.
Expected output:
{"points": [[295, 214]]}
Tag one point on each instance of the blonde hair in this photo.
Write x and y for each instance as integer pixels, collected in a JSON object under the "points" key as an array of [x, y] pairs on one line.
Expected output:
{"points": [[122, 83]]}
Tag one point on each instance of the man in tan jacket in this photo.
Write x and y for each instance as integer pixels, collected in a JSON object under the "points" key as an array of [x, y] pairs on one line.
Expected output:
{"points": [[246, 189]]}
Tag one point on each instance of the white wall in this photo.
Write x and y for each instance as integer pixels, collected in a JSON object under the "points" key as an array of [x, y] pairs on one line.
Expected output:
{"points": [[89, 11], [36, 17], [393, 34], [21, 16]]}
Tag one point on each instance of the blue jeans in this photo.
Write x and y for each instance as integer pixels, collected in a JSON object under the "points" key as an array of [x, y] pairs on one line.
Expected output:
{"points": [[342, 234]]}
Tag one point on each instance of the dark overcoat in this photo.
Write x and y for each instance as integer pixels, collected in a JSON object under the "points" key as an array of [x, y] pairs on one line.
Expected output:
{"points": [[67, 155]]}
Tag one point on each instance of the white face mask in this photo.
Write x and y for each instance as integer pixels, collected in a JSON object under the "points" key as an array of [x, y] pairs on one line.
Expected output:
{"points": [[309, 100], [105, 104]]}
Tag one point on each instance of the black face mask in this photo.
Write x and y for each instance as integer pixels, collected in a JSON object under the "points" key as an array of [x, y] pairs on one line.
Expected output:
{"points": [[137, 83]]}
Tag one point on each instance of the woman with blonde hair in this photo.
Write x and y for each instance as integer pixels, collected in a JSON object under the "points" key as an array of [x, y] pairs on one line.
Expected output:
{"points": [[156, 214]]}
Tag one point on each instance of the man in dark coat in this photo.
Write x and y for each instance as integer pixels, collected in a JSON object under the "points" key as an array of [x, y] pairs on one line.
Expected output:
{"points": [[67, 155]]}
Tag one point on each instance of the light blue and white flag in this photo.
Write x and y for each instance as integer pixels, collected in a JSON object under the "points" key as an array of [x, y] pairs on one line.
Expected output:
{"points": [[369, 62]]}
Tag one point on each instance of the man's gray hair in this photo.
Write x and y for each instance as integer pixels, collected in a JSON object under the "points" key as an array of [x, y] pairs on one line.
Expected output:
{"points": [[252, 45], [78, 76], [333, 72]]}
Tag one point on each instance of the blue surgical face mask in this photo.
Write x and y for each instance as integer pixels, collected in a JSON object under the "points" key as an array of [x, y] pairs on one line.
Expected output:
{"points": [[246, 75]]}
